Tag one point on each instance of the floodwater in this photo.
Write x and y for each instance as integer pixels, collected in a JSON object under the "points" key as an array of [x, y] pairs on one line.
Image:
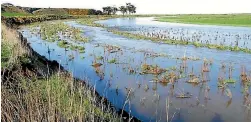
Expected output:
{"points": [[224, 35], [123, 84]]}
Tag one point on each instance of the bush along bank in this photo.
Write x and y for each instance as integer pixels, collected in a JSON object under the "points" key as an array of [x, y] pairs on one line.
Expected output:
{"points": [[22, 20]]}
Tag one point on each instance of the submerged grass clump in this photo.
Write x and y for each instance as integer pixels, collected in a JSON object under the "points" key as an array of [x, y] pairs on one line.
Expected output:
{"points": [[77, 47], [112, 61], [151, 69], [60, 32], [63, 44], [100, 58], [229, 81]]}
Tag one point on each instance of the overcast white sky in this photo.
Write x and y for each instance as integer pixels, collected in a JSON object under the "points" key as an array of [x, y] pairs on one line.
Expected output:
{"points": [[148, 6]]}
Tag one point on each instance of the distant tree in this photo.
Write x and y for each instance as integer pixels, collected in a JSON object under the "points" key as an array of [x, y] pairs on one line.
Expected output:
{"points": [[92, 12], [130, 8], [114, 10], [123, 10], [107, 10], [98, 12], [133, 9], [128, 5]]}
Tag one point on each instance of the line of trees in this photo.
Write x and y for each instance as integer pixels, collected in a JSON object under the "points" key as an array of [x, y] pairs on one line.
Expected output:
{"points": [[94, 12], [128, 8]]}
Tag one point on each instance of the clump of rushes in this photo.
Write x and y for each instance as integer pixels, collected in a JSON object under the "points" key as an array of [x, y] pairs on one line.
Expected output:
{"points": [[71, 57], [78, 37], [63, 44], [229, 81], [151, 69], [81, 49], [95, 64], [222, 83], [100, 58], [112, 61], [73, 47]]}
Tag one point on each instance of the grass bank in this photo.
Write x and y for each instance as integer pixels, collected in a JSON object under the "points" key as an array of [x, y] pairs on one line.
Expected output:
{"points": [[56, 98], [13, 14], [31, 92], [210, 19]]}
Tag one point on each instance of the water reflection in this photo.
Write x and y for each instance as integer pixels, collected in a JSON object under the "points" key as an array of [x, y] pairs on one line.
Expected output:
{"points": [[123, 83]]}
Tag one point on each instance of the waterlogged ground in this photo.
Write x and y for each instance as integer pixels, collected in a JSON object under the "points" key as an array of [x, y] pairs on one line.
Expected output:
{"points": [[139, 75], [207, 34]]}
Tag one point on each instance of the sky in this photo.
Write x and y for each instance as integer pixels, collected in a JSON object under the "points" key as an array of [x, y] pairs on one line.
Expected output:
{"points": [[148, 6]]}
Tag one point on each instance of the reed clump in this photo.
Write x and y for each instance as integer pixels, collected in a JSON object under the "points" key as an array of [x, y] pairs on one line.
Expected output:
{"points": [[151, 69]]}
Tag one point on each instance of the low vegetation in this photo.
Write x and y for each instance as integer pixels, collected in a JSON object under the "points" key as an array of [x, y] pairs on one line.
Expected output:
{"points": [[53, 31], [64, 35], [11, 14], [57, 98], [213, 19], [112, 61], [179, 42]]}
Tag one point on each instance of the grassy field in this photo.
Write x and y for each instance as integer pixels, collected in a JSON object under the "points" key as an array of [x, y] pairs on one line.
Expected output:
{"points": [[211, 19], [54, 11], [13, 14]]}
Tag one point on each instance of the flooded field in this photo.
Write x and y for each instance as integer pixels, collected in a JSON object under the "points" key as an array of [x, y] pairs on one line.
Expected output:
{"points": [[154, 81], [207, 34]]}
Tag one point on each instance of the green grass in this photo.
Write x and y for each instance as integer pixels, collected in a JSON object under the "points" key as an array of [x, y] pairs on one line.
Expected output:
{"points": [[50, 32], [210, 19], [229, 81], [63, 44], [60, 97], [5, 54], [11, 49], [100, 58], [12, 14], [112, 61]]}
